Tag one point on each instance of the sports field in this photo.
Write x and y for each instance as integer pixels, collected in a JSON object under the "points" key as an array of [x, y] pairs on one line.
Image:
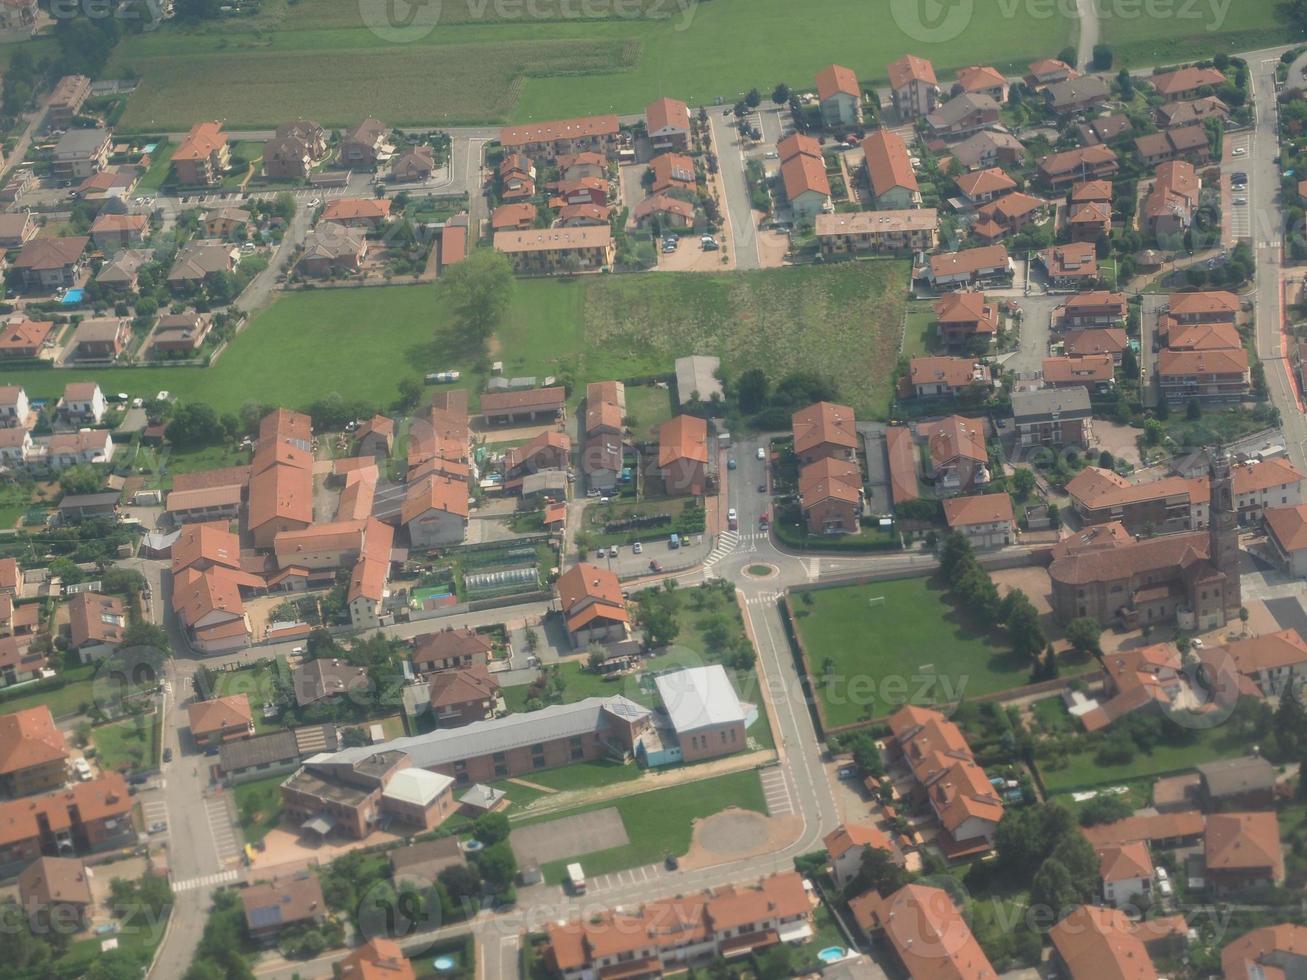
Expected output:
{"points": [[893, 643], [1191, 30], [488, 61], [841, 321]]}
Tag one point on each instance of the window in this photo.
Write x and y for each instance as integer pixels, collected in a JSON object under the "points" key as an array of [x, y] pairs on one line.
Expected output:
{"points": [[537, 748], [578, 754], [460, 765], [498, 757], [575, 741], [538, 761], [501, 771]]}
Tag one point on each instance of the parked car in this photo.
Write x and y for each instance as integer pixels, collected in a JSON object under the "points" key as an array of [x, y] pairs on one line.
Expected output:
{"points": [[612, 551], [670, 862], [848, 772], [638, 548], [655, 565], [762, 453], [1239, 151], [730, 463], [167, 754]]}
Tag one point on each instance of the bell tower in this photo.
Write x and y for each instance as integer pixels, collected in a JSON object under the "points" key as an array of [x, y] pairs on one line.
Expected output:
{"points": [[1223, 529]]}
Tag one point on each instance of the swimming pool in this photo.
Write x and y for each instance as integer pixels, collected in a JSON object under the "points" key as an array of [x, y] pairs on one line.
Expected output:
{"points": [[73, 297], [831, 954]]}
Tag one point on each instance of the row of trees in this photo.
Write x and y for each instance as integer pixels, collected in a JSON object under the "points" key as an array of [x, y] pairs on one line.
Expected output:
{"points": [[979, 595]]}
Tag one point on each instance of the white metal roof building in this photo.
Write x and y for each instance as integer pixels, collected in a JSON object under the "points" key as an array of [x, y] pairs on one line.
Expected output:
{"points": [[700, 697], [418, 787]]}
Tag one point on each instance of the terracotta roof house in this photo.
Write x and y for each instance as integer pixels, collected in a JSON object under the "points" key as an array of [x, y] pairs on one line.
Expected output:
{"points": [[1112, 342], [966, 318], [592, 605], [1218, 375], [903, 232], [1183, 81], [683, 455], [413, 165], [1286, 532], [32, 752], [110, 231], [219, 719], [824, 430], [55, 894], [180, 333], [1008, 215], [980, 186], [24, 338], [667, 123], [839, 96], [271, 906], [1189, 143], [1242, 850], [376, 959], [97, 624], [889, 170], [1265, 953], [831, 496], [914, 87], [101, 338], [988, 148], [198, 260], [1087, 163], [553, 250], [435, 512], [963, 115], [1096, 372], [463, 695], [563, 136], [519, 216], [1090, 221], [926, 935], [1126, 871], [49, 263], [672, 172], [981, 80], [1192, 111], [986, 520], [203, 157], [956, 458], [1091, 308], [807, 187], [968, 267], [332, 249], [1135, 679], [1094, 943], [357, 212], [1047, 71], [449, 649], [1168, 209], [672, 212], [947, 376], [1071, 265], [85, 817], [846, 845], [366, 145], [547, 451]]}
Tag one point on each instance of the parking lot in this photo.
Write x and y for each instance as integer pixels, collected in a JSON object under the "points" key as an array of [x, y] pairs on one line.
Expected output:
{"points": [[1234, 190]]}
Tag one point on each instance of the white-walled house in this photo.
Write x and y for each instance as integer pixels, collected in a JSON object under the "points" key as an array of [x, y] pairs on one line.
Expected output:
{"points": [[83, 401], [1127, 873]]}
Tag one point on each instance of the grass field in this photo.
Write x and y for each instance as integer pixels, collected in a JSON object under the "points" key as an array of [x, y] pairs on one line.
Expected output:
{"points": [[1083, 769], [1193, 31], [259, 805], [127, 745], [662, 825], [361, 342], [62, 701], [490, 67], [915, 646]]}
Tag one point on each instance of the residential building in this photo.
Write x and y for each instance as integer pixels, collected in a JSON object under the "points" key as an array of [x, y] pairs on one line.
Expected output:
{"points": [[583, 190], [956, 460], [592, 605], [324, 679], [64, 449], [55, 895], [271, 906], [366, 594], [932, 377], [376, 959], [1279, 950], [968, 267], [1070, 266], [963, 115], [705, 718], [664, 936], [1185, 81], [97, 624], [914, 87], [924, 933], [1246, 783], [552, 250], [414, 164], [517, 177], [516, 216], [848, 844], [1094, 372], [1242, 851], [889, 171], [1286, 534], [986, 520], [202, 158], [15, 409], [1093, 308], [435, 512], [79, 153], [1169, 208], [1111, 343], [847, 233], [831, 496], [1126, 871], [463, 695], [119, 273], [683, 455], [200, 260], [1186, 113], [450, 649], [101, 339], [1077, 94], [668, 211], [180, 333], [25, 339], [295, 149], [803, 175], [82, 401], [988, 148], [220, 719], [1173, 503], [225, 222], [981, 80], [33, 754], [367, 213], [1090, 221], [87, 817], [209, 606], [17, 228], [1086, 163], [1092, 942], [1052, 417], [366, 145], [112, 231], [547, 451], [1008, 215], [667, 123], [528, 405], [1134, 679], [1188, 143], [981, 186], [563, 136], [671, 172], [47, 264], [66, 100], [1049, 71], [839, 96], [825, 430], [332, 249], [1258, 666], [966, 320], [574, 166], [1218, 375], [1104, 129]]}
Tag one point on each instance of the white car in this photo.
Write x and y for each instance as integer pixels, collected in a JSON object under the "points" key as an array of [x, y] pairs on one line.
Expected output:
{"points": [[762, 453], [638, 548], [314, 201], [163, 396], [82, 768], [730, 514], [1241, 200], [1239, 151]]}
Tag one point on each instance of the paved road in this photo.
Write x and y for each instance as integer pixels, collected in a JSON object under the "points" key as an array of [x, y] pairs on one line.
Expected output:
{"points": [[738, 211], [1087, 14]]}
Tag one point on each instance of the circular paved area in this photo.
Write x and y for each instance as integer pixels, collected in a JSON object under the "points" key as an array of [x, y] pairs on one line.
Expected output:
{"points": [[761, 570], [733, 832]]}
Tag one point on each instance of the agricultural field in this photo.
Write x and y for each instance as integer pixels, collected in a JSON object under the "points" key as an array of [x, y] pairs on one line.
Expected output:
{"points": [[1194, 31], [360, 343], [506, 66]]}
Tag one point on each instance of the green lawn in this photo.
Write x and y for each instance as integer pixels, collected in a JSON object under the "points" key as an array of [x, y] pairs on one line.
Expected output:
{"points": [[584, 775], [160, 165], [648, 407], [162, 465], [1193, 31], [61, 701], [15, 499], [492, 66], [660, 825], [259, 805], [914, 646], [1082, 769], [919, 332], [361, 342], [128, 745]]}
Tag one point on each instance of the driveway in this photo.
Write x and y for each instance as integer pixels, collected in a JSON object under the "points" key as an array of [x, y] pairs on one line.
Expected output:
{"points": [[1036, 328]]}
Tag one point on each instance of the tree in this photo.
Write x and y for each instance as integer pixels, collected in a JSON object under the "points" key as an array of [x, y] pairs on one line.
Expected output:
{"points": [[1023, 483], [1052, 889], [781, 93], [497, 864], [461, 883], [1103, 57], [410, 393], [1290, 722], [1067, 56], [595, 659], [194, 424], [659, 621], [1106, 460], [1083, 634], [79, 479], [480, 289], [1104, 809], [491, 828], [753, 98], [877, 871], [1022, 621], [751, 391], [1193, 411]]}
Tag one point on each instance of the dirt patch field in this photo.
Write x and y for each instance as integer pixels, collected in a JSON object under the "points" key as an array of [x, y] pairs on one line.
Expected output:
{"points": [[734, 834], [569, 837]]}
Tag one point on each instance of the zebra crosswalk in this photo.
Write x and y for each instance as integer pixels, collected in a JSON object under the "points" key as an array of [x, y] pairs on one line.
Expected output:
{"points": [[206, 881], [726, 543], [764, 598]]}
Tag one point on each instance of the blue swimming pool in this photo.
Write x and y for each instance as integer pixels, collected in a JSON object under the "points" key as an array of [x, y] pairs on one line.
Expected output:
{"points": [[73, 297], [831, 954]]}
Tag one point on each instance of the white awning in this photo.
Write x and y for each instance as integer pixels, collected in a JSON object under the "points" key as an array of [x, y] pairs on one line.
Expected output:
{"points": [[793, 932]]}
